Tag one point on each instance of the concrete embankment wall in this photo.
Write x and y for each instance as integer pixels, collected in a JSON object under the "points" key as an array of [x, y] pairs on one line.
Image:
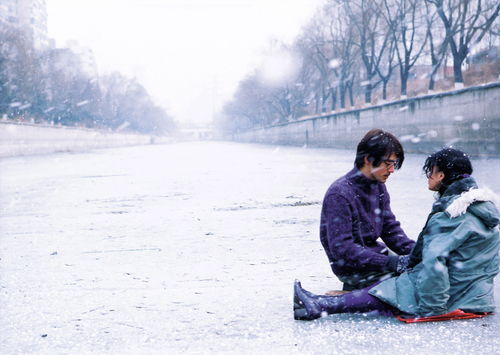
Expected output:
{"points": [[467, 119], [28, 139]]}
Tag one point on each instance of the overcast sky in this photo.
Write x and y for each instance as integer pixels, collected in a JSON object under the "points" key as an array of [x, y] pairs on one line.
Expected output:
{"points": [[189, 54]]}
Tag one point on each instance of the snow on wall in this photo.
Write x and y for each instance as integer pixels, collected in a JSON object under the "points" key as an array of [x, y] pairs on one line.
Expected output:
{"points": [[27, 139], [467, 119]]}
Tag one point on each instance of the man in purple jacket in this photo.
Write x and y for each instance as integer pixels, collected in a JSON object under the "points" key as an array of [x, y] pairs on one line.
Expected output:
{"points": [[356, 212]]}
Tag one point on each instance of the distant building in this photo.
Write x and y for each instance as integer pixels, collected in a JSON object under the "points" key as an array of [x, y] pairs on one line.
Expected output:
{"points": [[30, 16], [86, 57], [8, 12]]}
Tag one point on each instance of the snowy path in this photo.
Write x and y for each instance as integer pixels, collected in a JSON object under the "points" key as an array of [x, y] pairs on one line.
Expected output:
{"points": [[193, 247]]}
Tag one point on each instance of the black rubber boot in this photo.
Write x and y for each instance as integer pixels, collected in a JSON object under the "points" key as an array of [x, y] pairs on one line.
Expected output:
{"points": [[307, 306]]}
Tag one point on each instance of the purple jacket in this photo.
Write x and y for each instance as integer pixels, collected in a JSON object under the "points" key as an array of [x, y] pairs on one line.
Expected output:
{"points": [[356, 212]]}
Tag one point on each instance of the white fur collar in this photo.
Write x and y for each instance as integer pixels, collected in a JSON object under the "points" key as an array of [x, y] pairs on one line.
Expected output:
{"points": [[459, 205]]}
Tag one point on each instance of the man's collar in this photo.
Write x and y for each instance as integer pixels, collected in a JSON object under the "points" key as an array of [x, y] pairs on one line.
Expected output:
{"points": [[358, 177]]}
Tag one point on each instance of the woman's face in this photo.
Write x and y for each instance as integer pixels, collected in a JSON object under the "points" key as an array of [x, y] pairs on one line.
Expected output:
{"points": [[435, 179]]}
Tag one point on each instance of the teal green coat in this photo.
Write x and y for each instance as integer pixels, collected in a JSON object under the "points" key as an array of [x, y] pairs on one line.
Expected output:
{"points": [[455, 259]]}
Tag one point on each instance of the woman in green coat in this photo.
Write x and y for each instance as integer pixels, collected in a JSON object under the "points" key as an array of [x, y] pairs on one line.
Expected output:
{"points": [[452, 265]]}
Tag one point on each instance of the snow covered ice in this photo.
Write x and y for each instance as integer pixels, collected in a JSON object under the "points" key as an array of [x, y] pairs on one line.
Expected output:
{"points": [[193, 247]]}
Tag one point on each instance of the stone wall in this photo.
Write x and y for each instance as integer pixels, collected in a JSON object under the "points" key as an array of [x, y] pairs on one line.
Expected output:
{"points": [[467, 119], [28, 139]]}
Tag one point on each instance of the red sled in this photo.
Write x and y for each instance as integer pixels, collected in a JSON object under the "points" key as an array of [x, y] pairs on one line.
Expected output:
{"points": [[453, 315]]}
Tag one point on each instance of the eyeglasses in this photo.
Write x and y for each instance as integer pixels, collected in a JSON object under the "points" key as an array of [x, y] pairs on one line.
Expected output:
{"points": [[389, 163]]}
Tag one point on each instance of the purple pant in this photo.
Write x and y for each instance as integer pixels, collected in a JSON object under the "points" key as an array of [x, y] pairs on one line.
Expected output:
{"points": [[360, 301]]}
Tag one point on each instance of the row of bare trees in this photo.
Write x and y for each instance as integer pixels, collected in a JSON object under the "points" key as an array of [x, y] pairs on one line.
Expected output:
{"points": [[55, 86], [353, 47]]}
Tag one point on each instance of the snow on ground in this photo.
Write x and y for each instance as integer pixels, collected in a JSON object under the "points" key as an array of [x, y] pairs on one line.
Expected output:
{"points": [[193, 247]]}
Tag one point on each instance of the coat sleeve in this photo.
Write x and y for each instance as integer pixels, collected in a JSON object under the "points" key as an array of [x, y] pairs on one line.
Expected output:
{"points": [[442, 236], [392, 233], [344, 248]]}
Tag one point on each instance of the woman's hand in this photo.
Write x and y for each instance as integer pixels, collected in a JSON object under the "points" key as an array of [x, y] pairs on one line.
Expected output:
{"points": [[403, 261]]}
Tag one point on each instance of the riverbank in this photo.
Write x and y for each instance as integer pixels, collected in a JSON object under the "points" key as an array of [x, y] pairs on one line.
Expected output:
{"points": [[467, 119], [31, 139]]}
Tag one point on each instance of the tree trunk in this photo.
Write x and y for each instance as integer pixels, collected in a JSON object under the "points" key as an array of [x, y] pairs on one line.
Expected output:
{"points": [[457, 69], [384, 89], [404, 83], [351, 95], [368, 93], [431, 83], [334, 98], [435, 67], [342, 95], [324, 99]]}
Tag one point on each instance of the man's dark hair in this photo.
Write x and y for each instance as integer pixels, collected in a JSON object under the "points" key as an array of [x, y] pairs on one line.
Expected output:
{"points": [[454, 163], [377, 145]]}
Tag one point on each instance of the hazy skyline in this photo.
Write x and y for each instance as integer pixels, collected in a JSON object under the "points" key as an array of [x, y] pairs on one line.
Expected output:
{"points": [[189, 54]]}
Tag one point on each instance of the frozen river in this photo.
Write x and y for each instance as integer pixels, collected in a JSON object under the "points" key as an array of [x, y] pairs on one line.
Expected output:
{"points": [[193, 247]]}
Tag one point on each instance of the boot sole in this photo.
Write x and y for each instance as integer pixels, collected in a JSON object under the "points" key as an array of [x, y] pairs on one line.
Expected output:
{"points": [[297, 303], [301, 314]]}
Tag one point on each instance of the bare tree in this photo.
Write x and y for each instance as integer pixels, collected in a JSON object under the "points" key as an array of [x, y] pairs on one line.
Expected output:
{"points": [[344, 52], [328, 43], [466, 22], [21, 79], [372, 38], [248, 108], [73, 95], [403, 18], [438, 43], [53, 85], [386, 67], [305, 84], [126, 105], [314, 48]]}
